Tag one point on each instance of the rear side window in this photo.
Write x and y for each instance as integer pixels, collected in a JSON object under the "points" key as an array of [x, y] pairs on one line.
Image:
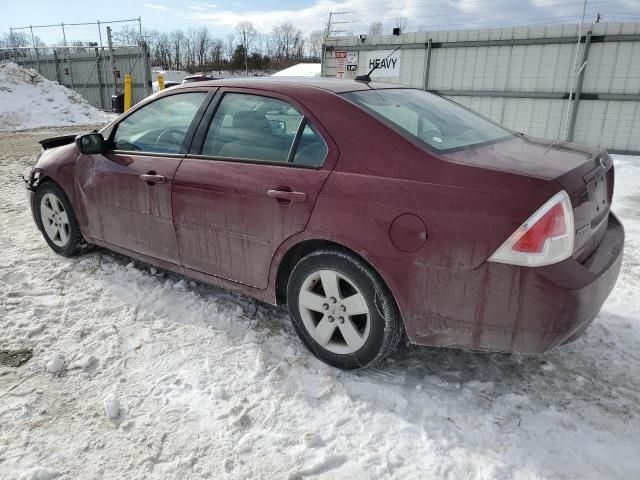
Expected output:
{"points": [[159, 127], [442, 125], [311, 149], [262, 129]]}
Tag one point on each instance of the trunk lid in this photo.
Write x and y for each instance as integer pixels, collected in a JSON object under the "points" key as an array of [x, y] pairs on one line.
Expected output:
{"points": [[585, 173]]}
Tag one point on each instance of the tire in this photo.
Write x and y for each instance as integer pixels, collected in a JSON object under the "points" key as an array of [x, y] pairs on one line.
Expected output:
{"points": [[57, 221], [342, 310]]}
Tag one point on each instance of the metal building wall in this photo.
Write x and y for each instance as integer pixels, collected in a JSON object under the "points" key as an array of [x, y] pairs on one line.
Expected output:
{"points": [[521, 76], [88, 71]]}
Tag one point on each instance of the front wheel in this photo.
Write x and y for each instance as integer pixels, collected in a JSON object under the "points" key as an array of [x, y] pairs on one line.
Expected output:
{"points": [[342, 310], [57, 221]]}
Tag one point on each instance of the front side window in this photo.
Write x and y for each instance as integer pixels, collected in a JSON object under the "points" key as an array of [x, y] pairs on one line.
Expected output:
{"points": [[159, 127], [439, 123], [252, 127]]}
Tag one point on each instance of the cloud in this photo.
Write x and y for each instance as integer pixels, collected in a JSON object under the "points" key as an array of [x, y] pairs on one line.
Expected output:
{"points": [[156, 7], [355, 16], [201, 7]]}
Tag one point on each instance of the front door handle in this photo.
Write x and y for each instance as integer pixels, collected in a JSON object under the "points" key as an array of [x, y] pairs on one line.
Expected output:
{"points": [[152, 178], [287, 196]]}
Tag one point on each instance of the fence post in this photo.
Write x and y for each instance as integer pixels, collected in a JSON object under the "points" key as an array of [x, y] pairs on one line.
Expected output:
{"points": [[35, 47], [428, 66], [112, 68], [161, 82], [576, 102], [57, 62], [100, 78]]}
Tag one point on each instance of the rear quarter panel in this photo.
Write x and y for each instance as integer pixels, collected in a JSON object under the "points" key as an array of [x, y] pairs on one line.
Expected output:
{"points": [[468, 211]]}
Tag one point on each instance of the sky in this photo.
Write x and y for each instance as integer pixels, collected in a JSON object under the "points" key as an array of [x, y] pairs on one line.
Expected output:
{"points": [[350, 16]]}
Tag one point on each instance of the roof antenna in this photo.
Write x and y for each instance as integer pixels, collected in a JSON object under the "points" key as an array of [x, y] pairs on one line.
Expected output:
{"points": [[367, 77]]}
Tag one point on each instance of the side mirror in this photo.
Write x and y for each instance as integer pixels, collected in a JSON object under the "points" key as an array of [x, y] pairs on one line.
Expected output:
{"points": [[90, 143]]}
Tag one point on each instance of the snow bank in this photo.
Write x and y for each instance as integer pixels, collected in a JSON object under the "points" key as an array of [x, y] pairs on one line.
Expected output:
{"points": [[300, 70], [28, 100]]}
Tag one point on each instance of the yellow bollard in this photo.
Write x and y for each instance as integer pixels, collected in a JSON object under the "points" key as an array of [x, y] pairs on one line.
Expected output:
{"points": [[161, 82], [127, 92]]}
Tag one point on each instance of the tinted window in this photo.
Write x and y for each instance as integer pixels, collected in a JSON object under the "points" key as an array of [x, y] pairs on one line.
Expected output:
{"points": [[311, 150], [441, 124], [159, 126], [252, 127]]}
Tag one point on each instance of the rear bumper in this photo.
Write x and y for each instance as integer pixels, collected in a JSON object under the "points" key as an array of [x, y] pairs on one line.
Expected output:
{"points": [[515, 309]]}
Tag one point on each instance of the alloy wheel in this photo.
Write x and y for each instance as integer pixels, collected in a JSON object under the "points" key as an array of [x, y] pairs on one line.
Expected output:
{"points": [[55, 219], [334, 312]]}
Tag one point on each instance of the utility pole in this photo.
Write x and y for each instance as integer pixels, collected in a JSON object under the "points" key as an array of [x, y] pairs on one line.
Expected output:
{"points": [[573, 77], [111, 66], [244, 44], [324, 44]]}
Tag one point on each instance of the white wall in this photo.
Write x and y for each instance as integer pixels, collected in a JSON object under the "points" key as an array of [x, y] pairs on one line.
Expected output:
{"points": [[476, 75]]}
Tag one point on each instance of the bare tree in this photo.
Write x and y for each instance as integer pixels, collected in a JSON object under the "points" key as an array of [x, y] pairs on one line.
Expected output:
{"points": [[177, 41], [190, 40], [159, 48], [229, 45], [375, 29], [14, 40], [314, 44], [247, 34], [202, 45], [127, 35], [217, 50], [287, 42]]}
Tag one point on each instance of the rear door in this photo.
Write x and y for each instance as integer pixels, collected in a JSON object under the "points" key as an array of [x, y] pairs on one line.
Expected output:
{"points": [[257, 164], [127, 190]]}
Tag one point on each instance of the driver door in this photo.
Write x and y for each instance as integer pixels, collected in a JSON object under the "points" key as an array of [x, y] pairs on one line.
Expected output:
{"points": [[127, 190]]}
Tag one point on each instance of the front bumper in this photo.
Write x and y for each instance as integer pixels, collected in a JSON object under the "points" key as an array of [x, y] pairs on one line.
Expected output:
{"points": [[31, 197], [515, 309]]}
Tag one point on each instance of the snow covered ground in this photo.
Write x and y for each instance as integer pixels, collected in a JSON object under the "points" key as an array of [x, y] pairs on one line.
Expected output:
{"points": [[138, 374], [28, 100]]}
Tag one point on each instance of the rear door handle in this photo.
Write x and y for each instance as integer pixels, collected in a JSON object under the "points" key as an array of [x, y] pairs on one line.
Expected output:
{"points": [[152, 178], [287, 196]]}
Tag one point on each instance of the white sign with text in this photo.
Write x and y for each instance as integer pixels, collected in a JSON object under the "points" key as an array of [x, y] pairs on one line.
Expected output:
{"points": [[388, 63]]}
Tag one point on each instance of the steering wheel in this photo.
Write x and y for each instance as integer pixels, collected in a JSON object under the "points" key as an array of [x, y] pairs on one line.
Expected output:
{"points": [[175, 137]]}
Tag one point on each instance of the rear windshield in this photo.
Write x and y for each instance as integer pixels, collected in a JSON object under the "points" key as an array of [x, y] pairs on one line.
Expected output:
{"points": [[439, 123]]}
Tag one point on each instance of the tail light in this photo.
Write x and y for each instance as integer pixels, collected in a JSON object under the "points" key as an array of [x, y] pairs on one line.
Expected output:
{"points": [[545, 238]]}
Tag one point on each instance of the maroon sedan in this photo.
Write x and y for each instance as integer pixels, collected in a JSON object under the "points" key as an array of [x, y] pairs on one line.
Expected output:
{"points": [[370, 209]]}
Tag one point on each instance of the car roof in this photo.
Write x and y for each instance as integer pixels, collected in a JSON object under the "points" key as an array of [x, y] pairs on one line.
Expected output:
{"points": [[281, 84]]}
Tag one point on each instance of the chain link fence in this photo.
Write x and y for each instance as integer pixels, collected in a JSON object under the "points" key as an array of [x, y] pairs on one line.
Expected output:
{"points": [[88, 70]]}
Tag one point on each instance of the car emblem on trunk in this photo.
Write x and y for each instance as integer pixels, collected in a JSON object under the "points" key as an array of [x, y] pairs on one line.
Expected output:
{"points": [[604, 162]]}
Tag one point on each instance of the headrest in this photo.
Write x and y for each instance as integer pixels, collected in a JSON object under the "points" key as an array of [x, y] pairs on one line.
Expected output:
{"points": [[252, 120]]}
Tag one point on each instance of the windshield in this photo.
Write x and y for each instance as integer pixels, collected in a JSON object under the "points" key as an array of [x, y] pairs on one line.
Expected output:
{"points": [[432, 120]]}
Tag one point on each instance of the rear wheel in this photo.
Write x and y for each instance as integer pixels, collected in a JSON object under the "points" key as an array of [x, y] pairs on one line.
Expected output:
{"points": [[342, 310], [57, 220]]}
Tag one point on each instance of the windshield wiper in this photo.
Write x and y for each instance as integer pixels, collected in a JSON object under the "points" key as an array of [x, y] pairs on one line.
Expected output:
{"points": [[367, 77]]}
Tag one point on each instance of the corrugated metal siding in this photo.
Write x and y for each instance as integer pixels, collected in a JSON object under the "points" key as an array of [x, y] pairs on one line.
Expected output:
{"points": [[531, 71]]}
